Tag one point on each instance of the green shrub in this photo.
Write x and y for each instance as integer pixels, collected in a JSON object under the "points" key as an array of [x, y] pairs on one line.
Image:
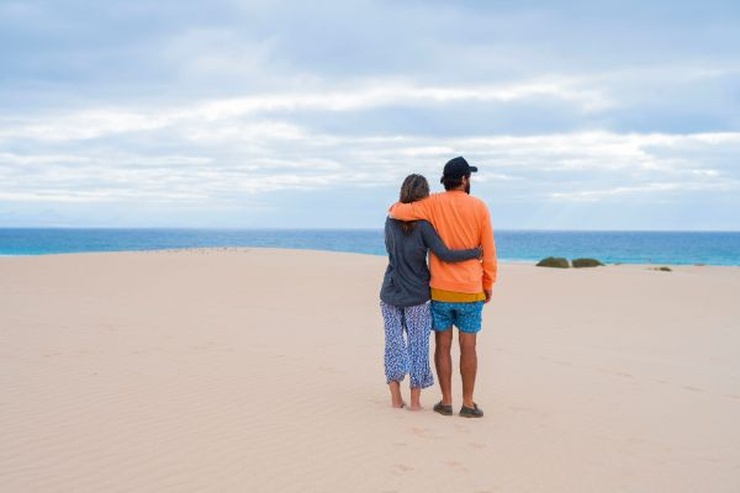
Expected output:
{"points": [[662, 269], [586, 262], [557, 262]]}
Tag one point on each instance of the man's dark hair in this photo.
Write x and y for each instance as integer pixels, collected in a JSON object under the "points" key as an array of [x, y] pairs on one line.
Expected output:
{"points": [[452, 182], [454, 171]]}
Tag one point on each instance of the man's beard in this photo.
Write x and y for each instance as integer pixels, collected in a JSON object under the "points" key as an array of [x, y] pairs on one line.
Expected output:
{"points": [[467, 188]]}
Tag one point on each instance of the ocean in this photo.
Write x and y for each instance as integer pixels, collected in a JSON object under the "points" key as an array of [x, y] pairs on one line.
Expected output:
{"points": [[671, 248]]}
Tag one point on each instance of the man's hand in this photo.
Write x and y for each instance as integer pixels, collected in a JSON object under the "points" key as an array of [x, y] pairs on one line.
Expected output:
{"points": [[488, 293]]}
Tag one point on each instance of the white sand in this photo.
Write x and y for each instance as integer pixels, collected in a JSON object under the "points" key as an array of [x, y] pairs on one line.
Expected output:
{"points": [[261, 370]]}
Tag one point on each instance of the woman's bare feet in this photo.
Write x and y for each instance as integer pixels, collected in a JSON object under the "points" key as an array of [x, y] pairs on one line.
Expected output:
{"points": [[396, 399], [415, 400]]}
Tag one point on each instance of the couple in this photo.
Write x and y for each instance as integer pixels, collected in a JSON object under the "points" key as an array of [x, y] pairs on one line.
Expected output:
{"points": [[461, 281]]}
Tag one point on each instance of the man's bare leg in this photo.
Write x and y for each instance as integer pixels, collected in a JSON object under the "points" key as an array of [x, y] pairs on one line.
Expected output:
{"points": [[396, 398], [443, 363], [468, 367]]}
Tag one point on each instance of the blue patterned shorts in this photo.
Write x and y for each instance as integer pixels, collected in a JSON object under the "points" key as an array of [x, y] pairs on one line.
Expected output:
{"points": [[467, 317]]}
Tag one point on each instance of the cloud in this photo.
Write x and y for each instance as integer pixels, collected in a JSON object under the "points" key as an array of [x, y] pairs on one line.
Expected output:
{"points": [[311, 161], [121, 111], [96, 122], [652, 188]]}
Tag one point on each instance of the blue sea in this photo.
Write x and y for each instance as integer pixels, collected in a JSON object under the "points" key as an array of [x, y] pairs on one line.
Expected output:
{"points": [[673, 248]]}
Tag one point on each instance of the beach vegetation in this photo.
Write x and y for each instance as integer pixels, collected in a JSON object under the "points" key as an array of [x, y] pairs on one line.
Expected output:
{"points": [[556, 262], [586, 262]]}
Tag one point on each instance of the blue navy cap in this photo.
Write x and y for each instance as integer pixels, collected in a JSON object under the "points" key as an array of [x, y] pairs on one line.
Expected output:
{"points": [[458, 167]]}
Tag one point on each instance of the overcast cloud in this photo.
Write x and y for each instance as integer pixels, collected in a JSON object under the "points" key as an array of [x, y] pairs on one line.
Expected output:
{"points": [[599, 115]]}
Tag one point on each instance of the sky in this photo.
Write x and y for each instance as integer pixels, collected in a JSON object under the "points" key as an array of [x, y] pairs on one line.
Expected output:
{"points": [[607, 115]]}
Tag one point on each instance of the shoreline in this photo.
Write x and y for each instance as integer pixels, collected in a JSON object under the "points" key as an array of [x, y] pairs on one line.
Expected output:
{"points": [[308, 250]]}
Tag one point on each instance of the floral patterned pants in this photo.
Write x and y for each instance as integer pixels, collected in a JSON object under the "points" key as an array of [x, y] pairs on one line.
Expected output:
{"points": [[407, 331]]}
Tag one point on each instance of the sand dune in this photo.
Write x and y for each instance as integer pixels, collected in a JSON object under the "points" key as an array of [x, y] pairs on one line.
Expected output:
{"points": [[261, 370]]}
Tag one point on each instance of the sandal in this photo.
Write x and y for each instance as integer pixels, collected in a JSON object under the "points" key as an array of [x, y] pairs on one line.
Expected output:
{"points": [[471, 412], [443, 409]]}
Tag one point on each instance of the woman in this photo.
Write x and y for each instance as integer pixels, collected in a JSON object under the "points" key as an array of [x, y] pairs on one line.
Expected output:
{"points": [[404, 296]]}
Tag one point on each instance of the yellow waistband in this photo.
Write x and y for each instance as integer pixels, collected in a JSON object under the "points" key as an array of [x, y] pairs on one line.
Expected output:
{"points": [[454, 297]]}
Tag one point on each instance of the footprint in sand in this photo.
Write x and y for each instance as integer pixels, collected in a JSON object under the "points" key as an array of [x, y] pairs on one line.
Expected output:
{"points": [[421, 432], [462, 429], [692, 389], [453, 464], [624, 374], [401, 468]]}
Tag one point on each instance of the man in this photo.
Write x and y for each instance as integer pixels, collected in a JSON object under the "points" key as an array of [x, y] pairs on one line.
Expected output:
{"points": [[458, 290]]}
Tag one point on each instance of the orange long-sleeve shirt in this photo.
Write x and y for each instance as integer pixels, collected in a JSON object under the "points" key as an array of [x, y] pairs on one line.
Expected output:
{"points": [[462, 221]]}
